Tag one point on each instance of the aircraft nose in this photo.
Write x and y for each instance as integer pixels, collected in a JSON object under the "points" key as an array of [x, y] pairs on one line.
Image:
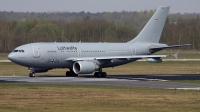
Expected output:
{"points": [[11, 57]]}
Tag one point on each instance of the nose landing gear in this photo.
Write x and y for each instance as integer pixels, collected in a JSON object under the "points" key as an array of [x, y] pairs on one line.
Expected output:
{"points": [[32, 72]]}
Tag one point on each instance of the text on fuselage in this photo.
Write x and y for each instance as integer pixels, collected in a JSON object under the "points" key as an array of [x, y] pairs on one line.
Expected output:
{"points": [[66, 48]]}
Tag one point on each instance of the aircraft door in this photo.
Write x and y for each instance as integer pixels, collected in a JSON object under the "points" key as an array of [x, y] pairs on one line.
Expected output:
{"points": [[79, 52], [133, 50], [36, 53]]}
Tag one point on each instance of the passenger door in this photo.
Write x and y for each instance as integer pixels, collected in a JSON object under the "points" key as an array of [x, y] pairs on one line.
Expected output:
{"points": [[36, 53], [133, 50], [79, 52]]}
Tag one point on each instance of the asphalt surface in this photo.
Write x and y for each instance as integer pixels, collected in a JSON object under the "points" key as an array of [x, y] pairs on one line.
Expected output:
{"points": [[151, 81]]}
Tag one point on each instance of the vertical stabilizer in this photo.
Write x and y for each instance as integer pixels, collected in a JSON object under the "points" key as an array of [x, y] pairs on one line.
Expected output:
{"points": [[153, 29]]}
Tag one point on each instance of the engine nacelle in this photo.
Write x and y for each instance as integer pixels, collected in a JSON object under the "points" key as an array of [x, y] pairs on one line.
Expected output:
{"points": [[40, 70], [154, 60], [85, 67]]}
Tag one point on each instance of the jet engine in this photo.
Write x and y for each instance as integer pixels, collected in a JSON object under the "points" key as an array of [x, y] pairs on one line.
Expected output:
{"points": [[85, 67], [154, 60], [40, 70]]}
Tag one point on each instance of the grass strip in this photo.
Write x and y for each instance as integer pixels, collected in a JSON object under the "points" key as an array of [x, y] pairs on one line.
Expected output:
{"points": [[51, 97]]}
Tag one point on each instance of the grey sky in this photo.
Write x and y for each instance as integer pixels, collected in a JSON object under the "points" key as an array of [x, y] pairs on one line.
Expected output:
{"points": [[181, 6]]}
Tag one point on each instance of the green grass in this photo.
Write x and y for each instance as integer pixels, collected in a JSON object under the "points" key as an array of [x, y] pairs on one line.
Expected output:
{"points": [[47, 98], [135, 68], [3, 56]]}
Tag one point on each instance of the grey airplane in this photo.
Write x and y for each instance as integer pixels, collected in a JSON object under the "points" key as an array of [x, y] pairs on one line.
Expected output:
{"points": [[86, 58]]}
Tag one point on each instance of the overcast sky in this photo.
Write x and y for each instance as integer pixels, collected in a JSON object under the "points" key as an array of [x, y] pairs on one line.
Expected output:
{"points": [[181, 6]]}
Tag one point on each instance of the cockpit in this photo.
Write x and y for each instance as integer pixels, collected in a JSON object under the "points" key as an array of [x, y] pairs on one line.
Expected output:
{"points": [[22, 51]]}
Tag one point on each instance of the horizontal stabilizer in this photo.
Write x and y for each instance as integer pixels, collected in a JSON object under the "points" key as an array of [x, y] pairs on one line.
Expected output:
{"points": [[156, 49]]}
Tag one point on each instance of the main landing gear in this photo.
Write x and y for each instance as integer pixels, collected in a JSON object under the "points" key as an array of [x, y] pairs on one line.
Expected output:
{"points": [[71, 73], [100, 74], [32, 72]]}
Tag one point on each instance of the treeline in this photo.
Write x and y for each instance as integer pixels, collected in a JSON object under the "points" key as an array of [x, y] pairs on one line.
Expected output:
{"points": [[14, 33], [135, 18], [87, 27], [183, 31]]}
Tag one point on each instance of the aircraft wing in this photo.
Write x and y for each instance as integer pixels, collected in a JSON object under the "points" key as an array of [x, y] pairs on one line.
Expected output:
{"points": [[115, 57], [155, 49]]}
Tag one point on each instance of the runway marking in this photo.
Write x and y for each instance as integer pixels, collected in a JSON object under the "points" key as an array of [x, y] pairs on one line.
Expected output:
{"points": [[59, 79], [109, 81]]}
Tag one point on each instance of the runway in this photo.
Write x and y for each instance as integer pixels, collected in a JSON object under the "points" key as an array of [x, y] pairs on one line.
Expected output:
{"points": [[150, 81]]}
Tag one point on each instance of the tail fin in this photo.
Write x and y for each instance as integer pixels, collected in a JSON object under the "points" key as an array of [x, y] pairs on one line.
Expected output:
{"points": [[153, 29]]}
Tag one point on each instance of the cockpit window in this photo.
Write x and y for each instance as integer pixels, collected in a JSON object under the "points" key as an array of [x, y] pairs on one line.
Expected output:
{"points": [[19, 51]]}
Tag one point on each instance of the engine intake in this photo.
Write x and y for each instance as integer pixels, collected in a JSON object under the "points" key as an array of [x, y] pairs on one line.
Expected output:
{"points": [[85, 67], [154, 60]]}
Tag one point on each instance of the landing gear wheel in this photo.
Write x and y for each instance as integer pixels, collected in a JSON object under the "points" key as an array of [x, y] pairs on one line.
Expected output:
{"points": [[31, 75], [100, 74], [96, 74], [103, 74], [32, 71], [67, 73], [71, 74]]}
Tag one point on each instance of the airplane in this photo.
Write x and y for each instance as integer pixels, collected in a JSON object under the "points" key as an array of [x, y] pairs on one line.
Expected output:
{"points": [[86, 58]]}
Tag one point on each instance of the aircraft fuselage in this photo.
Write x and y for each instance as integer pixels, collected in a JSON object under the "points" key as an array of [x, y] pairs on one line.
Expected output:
{"points": [[54, 55]]}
